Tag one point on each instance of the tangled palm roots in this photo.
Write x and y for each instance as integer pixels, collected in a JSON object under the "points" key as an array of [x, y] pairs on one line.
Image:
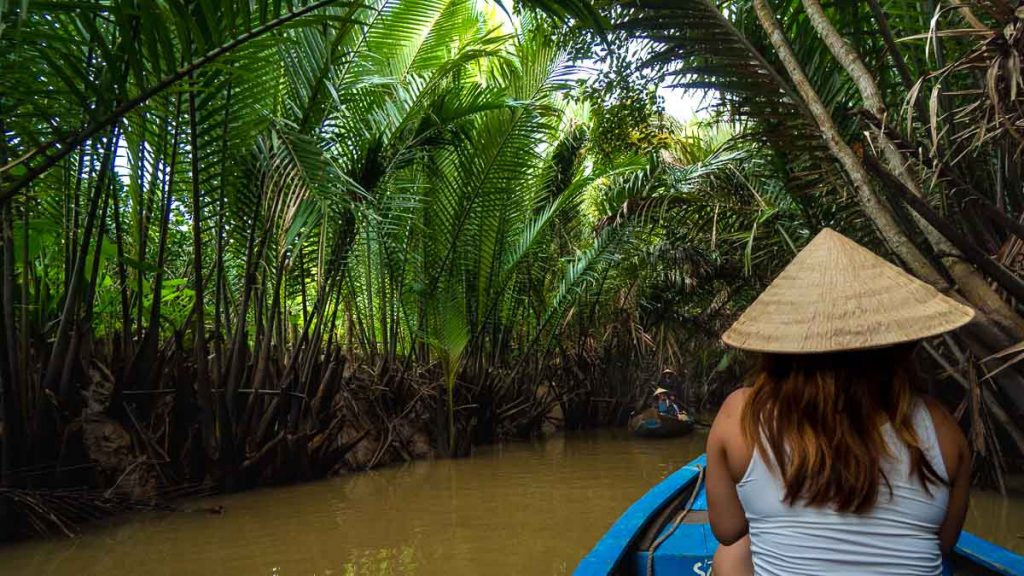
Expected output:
{"points": [[135, 448]]}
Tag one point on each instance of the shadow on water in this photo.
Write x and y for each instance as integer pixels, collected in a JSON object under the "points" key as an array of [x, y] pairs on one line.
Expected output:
{"points": [[517, 509]]}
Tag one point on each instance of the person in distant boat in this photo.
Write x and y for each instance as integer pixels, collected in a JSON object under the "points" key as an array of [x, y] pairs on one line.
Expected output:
{"points": [[668, 379], [664, 403], [680, 413], [832, 460]]}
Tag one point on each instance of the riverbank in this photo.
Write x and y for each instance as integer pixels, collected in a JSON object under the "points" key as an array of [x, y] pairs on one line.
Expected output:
{"points": [[129, 451], [517, 508]]}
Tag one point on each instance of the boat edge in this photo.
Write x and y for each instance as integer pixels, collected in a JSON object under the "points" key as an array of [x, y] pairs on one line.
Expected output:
{"points": [[988, 555], [612, 547], [616, 541]]}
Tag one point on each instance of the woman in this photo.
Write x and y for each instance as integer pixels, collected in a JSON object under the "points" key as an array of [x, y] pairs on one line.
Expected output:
{"points": [[832, 461]]}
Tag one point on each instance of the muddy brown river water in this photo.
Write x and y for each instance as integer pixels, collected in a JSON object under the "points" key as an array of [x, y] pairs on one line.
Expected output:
{"points": [[530, 509]]}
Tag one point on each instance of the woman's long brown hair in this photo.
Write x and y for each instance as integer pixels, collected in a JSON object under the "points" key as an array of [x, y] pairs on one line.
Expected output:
{"points": [[820, 417]]}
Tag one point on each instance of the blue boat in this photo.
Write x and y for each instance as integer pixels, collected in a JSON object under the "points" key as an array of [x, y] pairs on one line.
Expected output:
{"points": [[672, 521]]}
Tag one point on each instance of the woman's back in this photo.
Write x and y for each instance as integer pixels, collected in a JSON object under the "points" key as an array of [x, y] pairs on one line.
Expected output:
{"points": [[829, 459], [898, 535]]}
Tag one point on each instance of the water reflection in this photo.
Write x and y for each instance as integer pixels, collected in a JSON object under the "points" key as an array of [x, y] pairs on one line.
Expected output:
{"points": [[519, 509], [998, 519]]}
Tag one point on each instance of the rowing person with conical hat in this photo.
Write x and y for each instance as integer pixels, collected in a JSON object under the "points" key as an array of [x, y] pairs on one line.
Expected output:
{"points": [[665, 404], [833, 460]]}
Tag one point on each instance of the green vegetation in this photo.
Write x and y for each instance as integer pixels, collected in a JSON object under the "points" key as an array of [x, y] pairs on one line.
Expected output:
{"points": [[251, 242], [902, 121]]}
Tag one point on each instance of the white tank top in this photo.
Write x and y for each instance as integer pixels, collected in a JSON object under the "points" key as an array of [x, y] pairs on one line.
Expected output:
{"points": [[898, 536]]}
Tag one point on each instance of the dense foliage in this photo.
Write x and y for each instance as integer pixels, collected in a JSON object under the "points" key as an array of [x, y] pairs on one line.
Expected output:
{"points": [[251, 241], [899, 123]]}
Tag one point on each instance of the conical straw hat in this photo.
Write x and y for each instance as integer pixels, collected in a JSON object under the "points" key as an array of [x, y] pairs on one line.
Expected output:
{"points": [[837, 295], [660, 391]]}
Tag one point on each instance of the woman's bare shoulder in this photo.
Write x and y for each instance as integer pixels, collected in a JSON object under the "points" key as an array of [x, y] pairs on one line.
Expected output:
{"points": [[943, 420], [727, 433], [729, 413], [727, 421], [736, 400], [952, 442]]}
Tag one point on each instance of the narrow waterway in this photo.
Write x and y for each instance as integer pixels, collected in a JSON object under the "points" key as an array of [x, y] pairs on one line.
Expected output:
{"points": [[522, 509]]}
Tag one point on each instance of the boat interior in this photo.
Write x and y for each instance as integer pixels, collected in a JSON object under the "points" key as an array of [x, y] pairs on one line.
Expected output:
{"points": [[681, 537]]}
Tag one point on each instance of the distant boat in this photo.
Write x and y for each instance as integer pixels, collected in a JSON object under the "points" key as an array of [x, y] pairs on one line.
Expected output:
{"points": [[652, 424], [672, 519]]}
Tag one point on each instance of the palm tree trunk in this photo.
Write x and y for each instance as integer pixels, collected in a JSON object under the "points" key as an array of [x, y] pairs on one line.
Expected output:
{"points": [[122, 276], [166, 200], [202, 368], [142, 211], [218, 266], [880, 214], [69, 314], [10, 389], [971, 284], [847, 57], [73, 217]]}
